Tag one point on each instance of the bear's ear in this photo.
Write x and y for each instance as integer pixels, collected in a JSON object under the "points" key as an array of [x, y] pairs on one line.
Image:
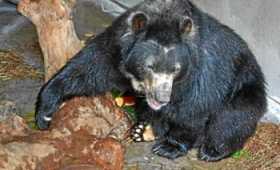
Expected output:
{"points": [[186, 26], [138, 21]]}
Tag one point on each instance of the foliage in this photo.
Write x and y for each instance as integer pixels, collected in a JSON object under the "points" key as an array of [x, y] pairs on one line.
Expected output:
{"points": [[130, 110], [241, 154]]}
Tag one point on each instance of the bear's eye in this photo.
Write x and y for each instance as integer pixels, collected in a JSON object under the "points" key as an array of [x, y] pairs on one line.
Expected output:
{"points": [[177, 67], [139, 22], [186, 26]]}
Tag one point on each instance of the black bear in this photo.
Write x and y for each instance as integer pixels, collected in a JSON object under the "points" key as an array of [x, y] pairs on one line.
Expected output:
{"points": [[203, 86]]}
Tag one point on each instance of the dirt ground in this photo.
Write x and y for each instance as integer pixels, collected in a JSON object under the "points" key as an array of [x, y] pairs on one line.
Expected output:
{"points": [[261, 152]]}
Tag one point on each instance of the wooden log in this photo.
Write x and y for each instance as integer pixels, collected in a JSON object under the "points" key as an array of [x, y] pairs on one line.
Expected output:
{"points": [[57, 37]]}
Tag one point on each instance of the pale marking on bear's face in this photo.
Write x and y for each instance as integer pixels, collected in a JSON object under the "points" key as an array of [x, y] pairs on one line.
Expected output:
{"points": [[159, 82], [126, 35], [157, 6], [158, 89], [132, 15], [167, 49], [177, 69], [138, 85]]}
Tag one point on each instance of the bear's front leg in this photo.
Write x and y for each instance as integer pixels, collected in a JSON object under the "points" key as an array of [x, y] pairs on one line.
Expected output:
{"points": [[180, 136], [166, 146], [150, 125], [89, 73], [177, 142]]}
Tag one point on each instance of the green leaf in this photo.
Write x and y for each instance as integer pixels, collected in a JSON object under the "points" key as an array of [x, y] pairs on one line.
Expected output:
{"points": [[116, 93], [240, 154], [131, 112]]}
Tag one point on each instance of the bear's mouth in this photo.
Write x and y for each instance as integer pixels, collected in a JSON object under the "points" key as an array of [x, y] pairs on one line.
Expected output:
{"points": [[154, 104]]}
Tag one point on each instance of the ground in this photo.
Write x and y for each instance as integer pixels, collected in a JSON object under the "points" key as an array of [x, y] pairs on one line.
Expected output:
{"points": [[21, 77], [260, 152]]}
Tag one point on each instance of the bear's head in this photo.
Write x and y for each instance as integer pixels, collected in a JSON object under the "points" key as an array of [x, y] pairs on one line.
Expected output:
{"points": [[157, 48]]}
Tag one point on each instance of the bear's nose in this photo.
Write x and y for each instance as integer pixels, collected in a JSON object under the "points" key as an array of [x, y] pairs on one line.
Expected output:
{"points": [[163, 97]]}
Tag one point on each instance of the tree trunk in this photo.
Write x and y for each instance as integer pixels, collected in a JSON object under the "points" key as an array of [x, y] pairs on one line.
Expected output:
{"points": [[57, 37]]}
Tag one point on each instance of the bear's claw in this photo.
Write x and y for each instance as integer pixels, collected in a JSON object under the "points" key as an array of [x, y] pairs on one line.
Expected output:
{"points": [[169, 149], [42, 122], [142, 132], [210, 154]]}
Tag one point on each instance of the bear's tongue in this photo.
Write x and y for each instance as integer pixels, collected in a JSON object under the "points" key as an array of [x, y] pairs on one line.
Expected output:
{"points": [[154, 104]]}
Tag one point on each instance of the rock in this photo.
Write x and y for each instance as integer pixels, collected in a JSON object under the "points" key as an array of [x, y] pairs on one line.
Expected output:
{"points": [[89, 19], [7, 109], [13, 1], [22, 92], [115, 8], [12, 127], [85, 134]]}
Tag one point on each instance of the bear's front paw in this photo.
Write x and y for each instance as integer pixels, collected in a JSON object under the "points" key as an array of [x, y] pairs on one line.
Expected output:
{"points": [[210, 154], [170, 149], [142, 132], [42, 121]]}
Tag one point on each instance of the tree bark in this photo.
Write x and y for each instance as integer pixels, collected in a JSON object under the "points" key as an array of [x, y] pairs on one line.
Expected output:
{"points": [[57, 37]]}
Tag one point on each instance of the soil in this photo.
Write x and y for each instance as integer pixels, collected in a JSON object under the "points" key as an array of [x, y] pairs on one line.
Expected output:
{"points": [[261, 152]]}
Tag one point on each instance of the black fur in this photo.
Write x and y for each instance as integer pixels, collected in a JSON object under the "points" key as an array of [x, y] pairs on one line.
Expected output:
{"points": [[217, 99]]}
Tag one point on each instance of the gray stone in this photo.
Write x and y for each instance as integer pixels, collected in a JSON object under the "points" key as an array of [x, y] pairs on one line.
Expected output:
{"points": [[7, 109], [22, 92], [13, 1], [89, 19], [115, 7]]}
